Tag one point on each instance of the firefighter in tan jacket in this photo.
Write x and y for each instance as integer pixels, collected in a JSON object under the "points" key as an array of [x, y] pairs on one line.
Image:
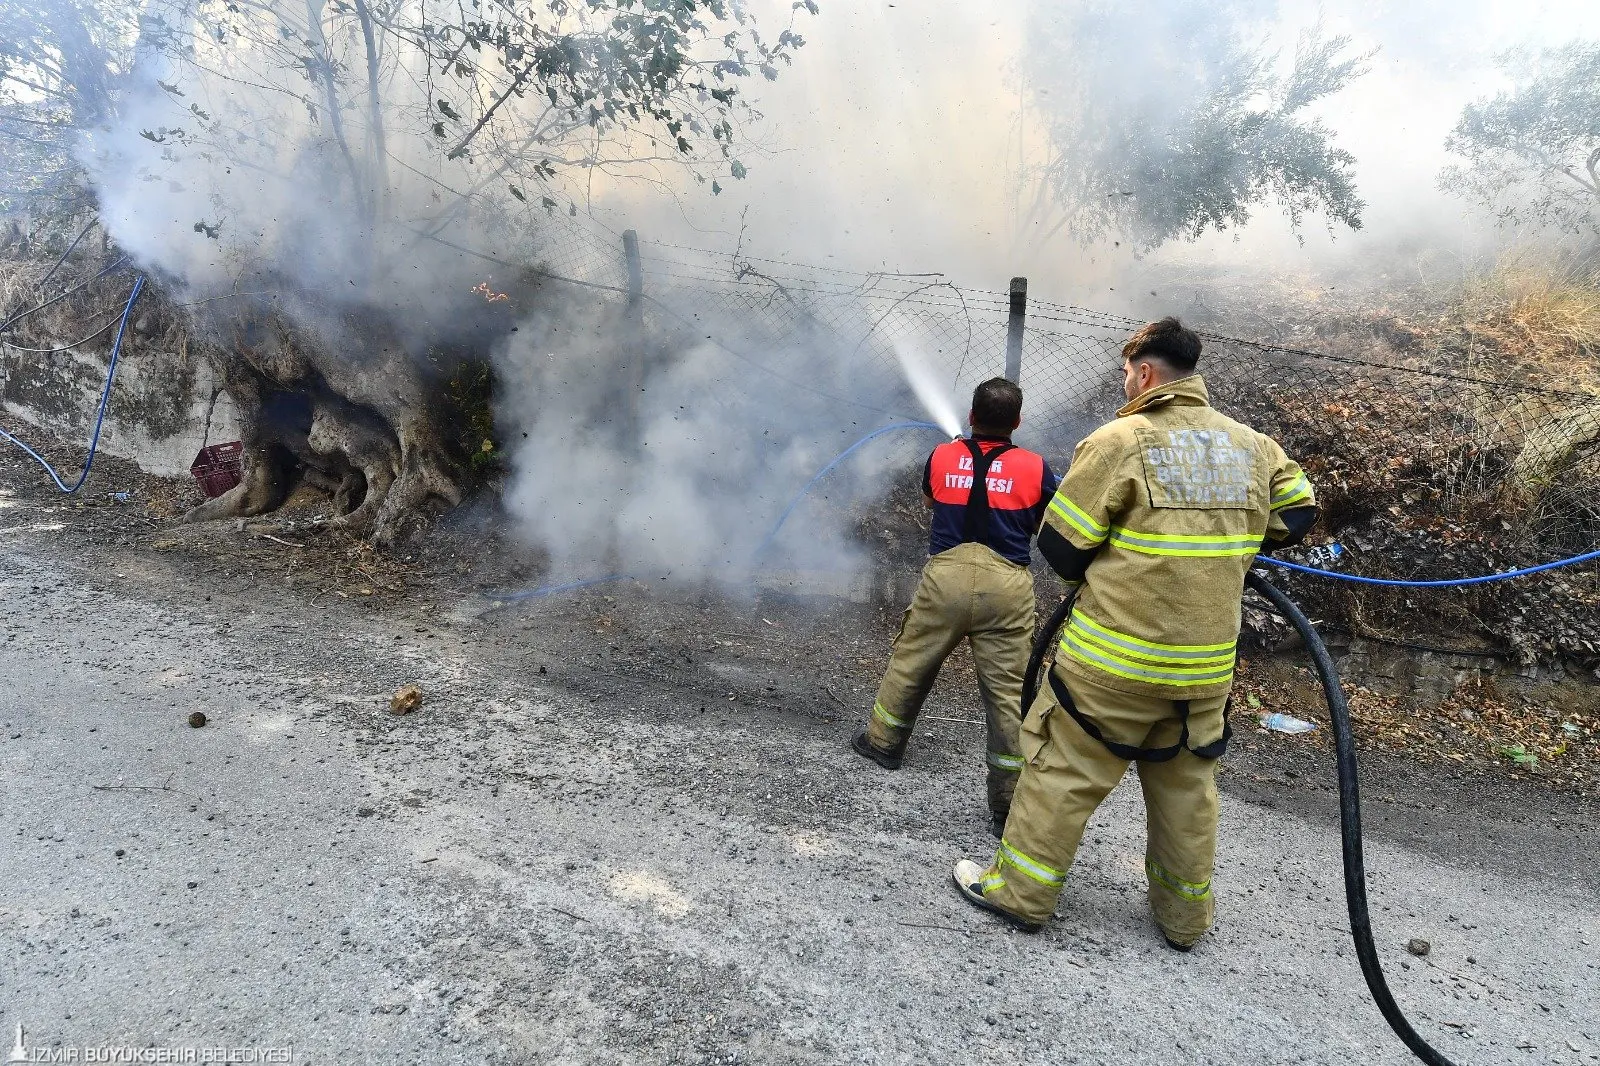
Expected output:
{"points": [[1159, 518]]}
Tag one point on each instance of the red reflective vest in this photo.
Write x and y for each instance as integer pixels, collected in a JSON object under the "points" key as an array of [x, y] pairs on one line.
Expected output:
{"points": [[1018, 483]]}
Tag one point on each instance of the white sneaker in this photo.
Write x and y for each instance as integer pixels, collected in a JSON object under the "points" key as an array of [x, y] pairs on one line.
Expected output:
{"points": [[968, 877]]}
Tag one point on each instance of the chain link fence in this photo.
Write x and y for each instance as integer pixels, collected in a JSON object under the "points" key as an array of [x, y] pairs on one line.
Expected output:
{"points": [[1422, 441]]}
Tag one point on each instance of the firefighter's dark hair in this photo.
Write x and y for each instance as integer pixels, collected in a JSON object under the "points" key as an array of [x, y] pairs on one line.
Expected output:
{"points": [[1167, 341], [997, 405]]}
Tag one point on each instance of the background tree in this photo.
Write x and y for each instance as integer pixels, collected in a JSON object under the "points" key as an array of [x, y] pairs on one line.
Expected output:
{"points": [[58, 76], [1532, 152], [1166, 120]]}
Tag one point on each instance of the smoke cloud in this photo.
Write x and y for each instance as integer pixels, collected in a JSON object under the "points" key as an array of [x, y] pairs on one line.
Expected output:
{"points": [[674, 457], [903, 138]]}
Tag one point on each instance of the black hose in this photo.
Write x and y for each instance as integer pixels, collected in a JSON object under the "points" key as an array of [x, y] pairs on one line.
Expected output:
{"points": [[1355, 874], [70, 247], [1041, 645], [1355, 869]]}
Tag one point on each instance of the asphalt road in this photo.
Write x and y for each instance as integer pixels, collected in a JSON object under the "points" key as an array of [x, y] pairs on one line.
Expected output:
{"points": [[615, 865]]}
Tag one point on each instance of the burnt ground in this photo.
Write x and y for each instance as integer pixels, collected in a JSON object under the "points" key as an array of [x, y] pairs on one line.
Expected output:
{"points": [[623, 826]]}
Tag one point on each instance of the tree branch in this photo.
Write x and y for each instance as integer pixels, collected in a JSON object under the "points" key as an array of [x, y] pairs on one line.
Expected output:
{"points": [[380, 167], [516, 83], [319, 42], [37, 87], [36, 122]]}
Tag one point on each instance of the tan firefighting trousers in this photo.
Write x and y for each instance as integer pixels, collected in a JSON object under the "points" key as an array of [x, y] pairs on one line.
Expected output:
{"points": [[967, 592], [1066, 775]]}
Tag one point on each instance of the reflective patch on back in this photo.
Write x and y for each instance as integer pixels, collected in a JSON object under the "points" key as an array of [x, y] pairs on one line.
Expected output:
{"points": [[1198, 469]]}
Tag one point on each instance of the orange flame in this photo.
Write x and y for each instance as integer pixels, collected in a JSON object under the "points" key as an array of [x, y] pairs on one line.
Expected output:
{"points": [[490, 296]]}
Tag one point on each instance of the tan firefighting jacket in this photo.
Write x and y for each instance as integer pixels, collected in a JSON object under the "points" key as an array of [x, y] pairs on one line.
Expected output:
{"points": [[1177, 497]]}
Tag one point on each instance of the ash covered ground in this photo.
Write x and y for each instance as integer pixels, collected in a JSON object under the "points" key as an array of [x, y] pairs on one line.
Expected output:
{"points": [[624, 826]]}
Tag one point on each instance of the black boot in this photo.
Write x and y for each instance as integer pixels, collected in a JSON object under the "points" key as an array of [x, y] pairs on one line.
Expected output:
{"points": [[889, 760]]}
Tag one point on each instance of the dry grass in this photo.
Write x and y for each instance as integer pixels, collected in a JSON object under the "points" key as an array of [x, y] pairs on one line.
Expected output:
{"points": [[1537, 313], [58, 323], [1533, 317]]}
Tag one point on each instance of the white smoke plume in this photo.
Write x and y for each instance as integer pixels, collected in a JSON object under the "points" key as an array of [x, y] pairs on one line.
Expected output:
{"points": [[676, 460]]}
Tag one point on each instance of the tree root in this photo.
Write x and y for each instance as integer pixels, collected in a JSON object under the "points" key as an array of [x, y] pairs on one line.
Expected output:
{"points": [[365, 436]]}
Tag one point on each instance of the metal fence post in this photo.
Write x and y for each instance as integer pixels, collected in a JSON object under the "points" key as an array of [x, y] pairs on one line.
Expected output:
{"points": [[1019, 315], [630, 250], [633, 374]]}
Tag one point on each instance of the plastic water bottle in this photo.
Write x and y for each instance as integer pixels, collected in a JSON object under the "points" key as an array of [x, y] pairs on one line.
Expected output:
{"points": [[1286, 723], [1325, 555]]}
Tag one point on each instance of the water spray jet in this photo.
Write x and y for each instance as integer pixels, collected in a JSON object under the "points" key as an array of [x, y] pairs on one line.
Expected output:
{"points": [[930, 392]]}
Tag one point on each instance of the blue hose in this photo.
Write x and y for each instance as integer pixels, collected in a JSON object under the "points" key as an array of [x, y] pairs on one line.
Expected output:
{"points": [[1442, 584], [100, 415], [820, 474]]}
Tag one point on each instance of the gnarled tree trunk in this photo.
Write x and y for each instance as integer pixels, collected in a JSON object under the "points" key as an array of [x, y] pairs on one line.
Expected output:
{"points": [[344, 406]]}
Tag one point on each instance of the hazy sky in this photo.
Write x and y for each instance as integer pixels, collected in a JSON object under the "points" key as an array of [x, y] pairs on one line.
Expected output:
{"points": [[896, 141]]}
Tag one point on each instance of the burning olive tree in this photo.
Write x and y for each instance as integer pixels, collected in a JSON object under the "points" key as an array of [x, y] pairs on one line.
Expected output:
{"points": [[287, 171], [1532, 152], [1165, 120]]}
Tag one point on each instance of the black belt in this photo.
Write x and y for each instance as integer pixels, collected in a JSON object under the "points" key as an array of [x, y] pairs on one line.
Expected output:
{"points": [[1214, 750]]}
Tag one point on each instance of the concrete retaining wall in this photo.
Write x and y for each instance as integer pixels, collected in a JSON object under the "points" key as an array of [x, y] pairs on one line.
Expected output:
{"points": [[165, 405]]}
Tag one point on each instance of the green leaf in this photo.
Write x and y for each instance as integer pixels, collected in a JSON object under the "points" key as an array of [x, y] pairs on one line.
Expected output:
{"points": [[716, 188], [1519, 755], [518, 194], [738, 170], [1253, 700]]}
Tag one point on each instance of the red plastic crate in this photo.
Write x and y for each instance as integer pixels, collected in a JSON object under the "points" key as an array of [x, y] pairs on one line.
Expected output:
{"points": [[219, 467]]}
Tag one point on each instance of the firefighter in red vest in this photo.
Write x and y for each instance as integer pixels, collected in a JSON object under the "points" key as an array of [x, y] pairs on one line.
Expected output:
{"points": [[988, 497]]}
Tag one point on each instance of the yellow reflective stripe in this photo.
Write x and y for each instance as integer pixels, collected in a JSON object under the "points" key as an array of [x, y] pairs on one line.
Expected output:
{"points": [[1145, 658], [1113, 641], [886, 718], [1187, 889], [1077, 517], [1297, 490], [1112, 664], [1045, 875], [1005, 762], [1184, 544], [990, 882]]}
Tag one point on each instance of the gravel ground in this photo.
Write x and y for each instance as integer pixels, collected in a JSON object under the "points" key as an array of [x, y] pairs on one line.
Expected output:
{"points": [[623, 827]]}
